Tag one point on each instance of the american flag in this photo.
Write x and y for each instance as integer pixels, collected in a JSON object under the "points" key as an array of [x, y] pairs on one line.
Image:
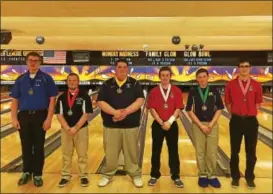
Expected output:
{"points": [[54, 57]]}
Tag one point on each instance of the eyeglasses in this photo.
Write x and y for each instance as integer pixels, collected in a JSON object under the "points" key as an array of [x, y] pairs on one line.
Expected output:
{"points": [[33, 61], [244, 66]]}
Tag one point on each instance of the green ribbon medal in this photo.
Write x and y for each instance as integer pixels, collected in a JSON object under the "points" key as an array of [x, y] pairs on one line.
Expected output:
{"points": [[204, 97]]}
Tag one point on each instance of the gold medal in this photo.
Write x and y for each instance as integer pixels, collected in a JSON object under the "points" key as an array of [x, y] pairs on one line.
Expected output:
{"points": [[119, 91], [166, 106], [204, 108], [30, 91]]}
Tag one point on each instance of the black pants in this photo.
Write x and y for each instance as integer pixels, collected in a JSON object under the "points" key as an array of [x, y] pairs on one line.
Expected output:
{"points": [[32, 137], [158, 135], [247, 127]]}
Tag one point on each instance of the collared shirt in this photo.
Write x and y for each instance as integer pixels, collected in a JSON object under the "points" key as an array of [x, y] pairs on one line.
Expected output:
{"points": [[213, 103], [130, 91], [81, 105], [42, 88], [174, 101], [235, 97]]}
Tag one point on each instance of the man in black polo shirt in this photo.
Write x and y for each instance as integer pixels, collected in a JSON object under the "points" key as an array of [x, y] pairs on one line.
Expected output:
{"points": [[120, 100], [72, 109], [204, 107]]}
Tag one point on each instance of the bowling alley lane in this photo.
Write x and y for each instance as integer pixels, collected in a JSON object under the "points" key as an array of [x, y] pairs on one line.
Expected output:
{"points": [[5, 118], [11, 144], [53, 163], [186, 149], [265, 119], [5, 105]]}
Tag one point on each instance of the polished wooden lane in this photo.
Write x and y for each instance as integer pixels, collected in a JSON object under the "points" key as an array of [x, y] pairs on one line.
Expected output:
{"points": [[11, 144], [53, 163], [5, 118], [265, 119], [186, 149], [5, 105], [131, 33], [267, 105], [123, 184], [135, 8]]}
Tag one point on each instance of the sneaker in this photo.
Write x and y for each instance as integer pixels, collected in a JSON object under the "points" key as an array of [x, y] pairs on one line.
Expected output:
{"points": [[152, 181], [215, 183], [63, 182], [203, 182], [104, 181], [24, 179], [84, 182], [38, 181], [235, 183], [138, 182], [178, 183], [250, 184]]}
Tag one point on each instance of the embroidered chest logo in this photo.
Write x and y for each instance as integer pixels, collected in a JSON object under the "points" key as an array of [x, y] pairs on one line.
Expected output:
{"points": [[250, 88], [79, 101], [37, 82], [128, 85], [171, 95]]}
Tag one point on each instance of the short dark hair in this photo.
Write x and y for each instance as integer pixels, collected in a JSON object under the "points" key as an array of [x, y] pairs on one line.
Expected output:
{"points": [[73, 74], [121, 61], [166, 68], [201, 70], [243, 61], [33, 54]]}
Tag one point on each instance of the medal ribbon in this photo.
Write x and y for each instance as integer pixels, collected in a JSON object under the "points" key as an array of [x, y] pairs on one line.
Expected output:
{"points": [[72, 100], [203, 97], [244, 90], [32, 81], [165, 96]]}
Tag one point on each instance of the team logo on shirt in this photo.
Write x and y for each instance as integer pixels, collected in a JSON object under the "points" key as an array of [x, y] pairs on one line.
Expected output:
{"points": [[171, 95], [128, 85], [250, 88], [79, 101]]}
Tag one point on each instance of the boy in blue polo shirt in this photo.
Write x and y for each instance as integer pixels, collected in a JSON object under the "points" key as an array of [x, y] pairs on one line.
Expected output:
{"points": [[32, 108]]}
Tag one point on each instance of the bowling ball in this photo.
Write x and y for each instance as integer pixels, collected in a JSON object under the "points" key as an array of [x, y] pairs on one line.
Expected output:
{"points": [[40, 40], [176, 40], [194, 47]]}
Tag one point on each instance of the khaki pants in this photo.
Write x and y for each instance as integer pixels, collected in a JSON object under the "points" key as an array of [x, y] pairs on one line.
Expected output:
{"points": [[116, 140], [206, 147], [80, 142]]}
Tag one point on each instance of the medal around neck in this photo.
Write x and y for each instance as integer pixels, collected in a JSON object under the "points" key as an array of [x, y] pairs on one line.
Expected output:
{"points": [[71, 101], [165, 96], [204, 107], [30, 91], [70, 113], [204, 97], [119, 91]]}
